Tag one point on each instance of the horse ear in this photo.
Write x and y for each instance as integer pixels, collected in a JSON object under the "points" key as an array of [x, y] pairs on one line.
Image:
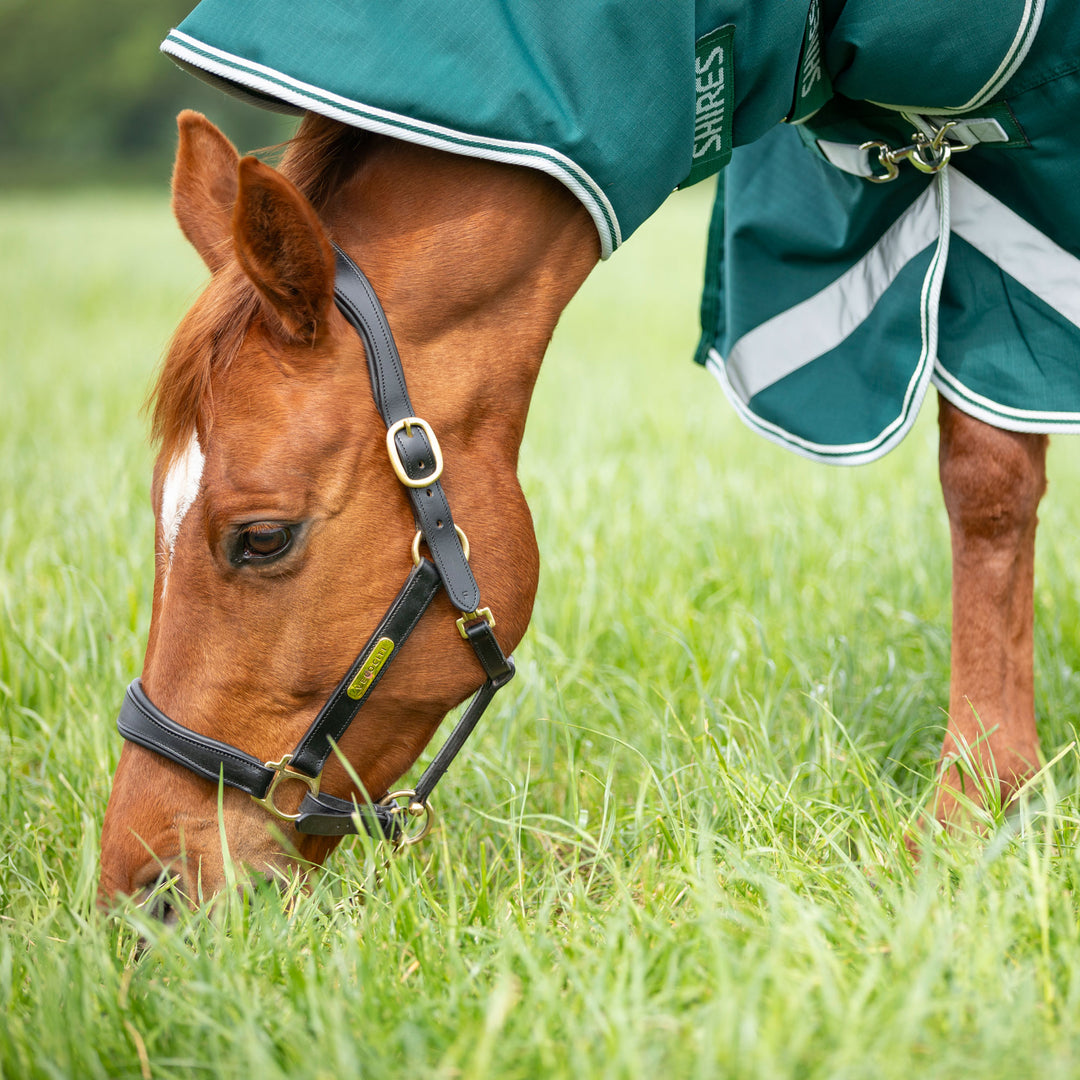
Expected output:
{"points": [[204, 187], [281, 246]]}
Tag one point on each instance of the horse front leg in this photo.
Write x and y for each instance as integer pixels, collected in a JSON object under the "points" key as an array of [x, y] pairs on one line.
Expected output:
{"points": [[992, 481]]}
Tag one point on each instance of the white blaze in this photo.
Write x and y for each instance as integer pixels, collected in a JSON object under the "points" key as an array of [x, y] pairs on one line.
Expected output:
{"points": [[180, 490]]}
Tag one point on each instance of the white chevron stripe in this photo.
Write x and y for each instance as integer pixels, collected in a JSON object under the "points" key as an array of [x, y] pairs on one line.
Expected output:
{"points": [[819, 324], [1024, 253]]}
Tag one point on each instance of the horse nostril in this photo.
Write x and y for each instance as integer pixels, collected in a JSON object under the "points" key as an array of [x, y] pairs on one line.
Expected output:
{"points": [[161, 902]]}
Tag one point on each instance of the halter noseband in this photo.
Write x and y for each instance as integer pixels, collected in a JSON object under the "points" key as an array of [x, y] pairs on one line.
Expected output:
{"points": [[417, 462]]}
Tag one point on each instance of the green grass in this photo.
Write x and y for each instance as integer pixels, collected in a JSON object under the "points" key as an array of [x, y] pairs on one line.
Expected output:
{"points": [[674, 848]]}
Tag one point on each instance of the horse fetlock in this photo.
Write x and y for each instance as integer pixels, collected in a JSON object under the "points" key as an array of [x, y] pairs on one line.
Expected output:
{"points": [[983, 767]]}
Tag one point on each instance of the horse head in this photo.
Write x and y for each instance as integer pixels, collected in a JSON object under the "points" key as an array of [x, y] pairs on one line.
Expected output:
{"points": [[282, 531]]}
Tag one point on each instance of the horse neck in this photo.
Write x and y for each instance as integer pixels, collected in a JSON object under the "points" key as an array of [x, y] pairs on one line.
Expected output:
{"points": [[473, 262]]}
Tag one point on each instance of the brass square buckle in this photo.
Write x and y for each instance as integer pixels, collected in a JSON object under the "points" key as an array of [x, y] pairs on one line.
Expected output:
{"points": [[283, 772], [471, 616], [407, 425]]}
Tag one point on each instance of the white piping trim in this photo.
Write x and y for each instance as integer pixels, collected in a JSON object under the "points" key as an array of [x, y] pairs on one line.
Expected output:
{"points": [[894, 433], [562, 168], [825, 455], [1013, 58], [1003, 416]]}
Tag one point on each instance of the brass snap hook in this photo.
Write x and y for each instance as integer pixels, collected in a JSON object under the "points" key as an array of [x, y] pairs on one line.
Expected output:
{"points": [[886, 160], [414, 809]]}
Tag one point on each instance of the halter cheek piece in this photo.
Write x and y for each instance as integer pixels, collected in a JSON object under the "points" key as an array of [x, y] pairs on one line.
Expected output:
{"points": [[417, 461]]}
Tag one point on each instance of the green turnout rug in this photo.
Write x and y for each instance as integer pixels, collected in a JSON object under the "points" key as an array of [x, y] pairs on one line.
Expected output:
{"points": [[842, 279]]}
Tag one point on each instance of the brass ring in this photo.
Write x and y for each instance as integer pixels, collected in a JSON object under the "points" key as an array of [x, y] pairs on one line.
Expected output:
{"points": [[930, 157], [419, 536], [413, 809]]}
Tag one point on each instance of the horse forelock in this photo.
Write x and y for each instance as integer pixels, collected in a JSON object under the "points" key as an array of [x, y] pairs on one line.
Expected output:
{"points": [[205, 343]]}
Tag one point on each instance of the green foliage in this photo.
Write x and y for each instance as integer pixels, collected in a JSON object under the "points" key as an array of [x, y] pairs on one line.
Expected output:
{"points": [[85, 94], [674, 848]]}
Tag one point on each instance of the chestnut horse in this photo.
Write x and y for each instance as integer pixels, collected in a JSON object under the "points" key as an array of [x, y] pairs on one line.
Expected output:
{"points": [[283, 533]]}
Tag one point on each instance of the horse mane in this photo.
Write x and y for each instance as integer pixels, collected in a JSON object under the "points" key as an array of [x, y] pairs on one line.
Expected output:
{"points": [[318, 159]]}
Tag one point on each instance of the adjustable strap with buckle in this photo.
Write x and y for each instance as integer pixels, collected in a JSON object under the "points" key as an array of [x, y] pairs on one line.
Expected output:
{"points": [[142, 722], [327, 815], [414, 451]]}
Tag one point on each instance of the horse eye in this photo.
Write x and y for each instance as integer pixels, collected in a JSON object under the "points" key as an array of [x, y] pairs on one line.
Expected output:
{"points": [[263, 542]]}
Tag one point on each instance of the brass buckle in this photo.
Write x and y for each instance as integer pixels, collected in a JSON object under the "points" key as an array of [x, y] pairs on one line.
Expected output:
{"points": [[471, 616], [414, 809], [283, 772], [395, 458], [419, 536]]}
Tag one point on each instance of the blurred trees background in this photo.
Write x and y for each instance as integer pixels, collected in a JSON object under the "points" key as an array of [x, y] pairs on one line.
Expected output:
{"points": [[85, 96]]}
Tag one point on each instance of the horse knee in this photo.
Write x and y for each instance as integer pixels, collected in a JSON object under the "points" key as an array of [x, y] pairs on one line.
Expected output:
{"points": [[992, 479]]}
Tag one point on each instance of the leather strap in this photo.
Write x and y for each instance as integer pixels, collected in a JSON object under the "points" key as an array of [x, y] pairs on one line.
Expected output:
{"points": [[142, 722], [498, 667], [456, 739], [357, 301], [341, 708], [327, 815]]}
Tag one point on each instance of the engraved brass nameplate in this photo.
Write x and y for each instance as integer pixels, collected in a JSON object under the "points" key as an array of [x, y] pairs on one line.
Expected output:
{"points": [[372, 666]]}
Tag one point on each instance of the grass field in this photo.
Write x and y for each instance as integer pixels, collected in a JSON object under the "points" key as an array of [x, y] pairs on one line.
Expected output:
{"points": [[674, 848]]}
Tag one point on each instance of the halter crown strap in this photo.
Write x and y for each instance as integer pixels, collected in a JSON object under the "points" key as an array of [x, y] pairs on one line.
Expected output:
{"points": [[357, 301]]}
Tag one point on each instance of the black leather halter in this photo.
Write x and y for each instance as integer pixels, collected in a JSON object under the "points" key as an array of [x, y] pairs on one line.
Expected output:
{"points": [[417, 460]]}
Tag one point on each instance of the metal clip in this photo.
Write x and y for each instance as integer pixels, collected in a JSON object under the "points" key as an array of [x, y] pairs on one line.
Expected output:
{"points": [[927, 155], [283, 772], [414, 808], [886, 160]]}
